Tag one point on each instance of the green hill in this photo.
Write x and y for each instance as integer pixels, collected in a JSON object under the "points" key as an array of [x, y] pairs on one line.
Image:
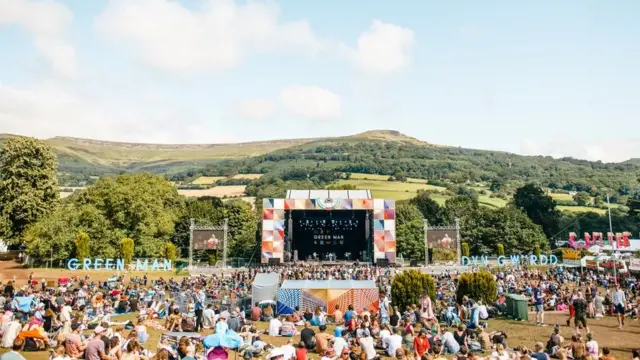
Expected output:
{"points": [[383, 152]]}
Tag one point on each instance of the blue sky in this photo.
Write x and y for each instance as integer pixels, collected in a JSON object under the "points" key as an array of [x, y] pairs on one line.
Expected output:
{"points": [[544, 77]]}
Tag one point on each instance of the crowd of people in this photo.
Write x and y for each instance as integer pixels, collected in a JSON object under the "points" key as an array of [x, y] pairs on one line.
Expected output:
{"points": [[204, 316]]}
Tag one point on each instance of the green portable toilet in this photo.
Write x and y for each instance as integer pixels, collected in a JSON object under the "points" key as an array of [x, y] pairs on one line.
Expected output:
{"points": [[520, 307]]}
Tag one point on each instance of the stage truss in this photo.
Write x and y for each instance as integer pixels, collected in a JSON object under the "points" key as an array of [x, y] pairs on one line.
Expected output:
{"points": [[220, 249], [432, 237]]}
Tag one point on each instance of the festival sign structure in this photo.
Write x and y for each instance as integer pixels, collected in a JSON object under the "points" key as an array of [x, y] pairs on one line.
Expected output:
{"points": [[595, 238]]}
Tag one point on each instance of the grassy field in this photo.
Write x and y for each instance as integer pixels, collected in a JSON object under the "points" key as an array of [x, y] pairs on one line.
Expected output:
{"points": [[561, 197], [393, 190], [218, 191], [581, 209], [207, 180], [247, 176]]}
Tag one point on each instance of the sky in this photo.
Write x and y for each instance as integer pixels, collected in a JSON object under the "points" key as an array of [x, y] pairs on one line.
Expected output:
{"points": [[545, 77]]}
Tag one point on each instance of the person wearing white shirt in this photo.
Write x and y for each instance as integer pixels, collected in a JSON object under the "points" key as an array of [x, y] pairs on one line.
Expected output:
{"points": [[384, 333], [288, 350], [65, 314], [619, 304], [366, 344], [483, 312], [274, 327], [340, 343], [392, 343], [208, 317]]}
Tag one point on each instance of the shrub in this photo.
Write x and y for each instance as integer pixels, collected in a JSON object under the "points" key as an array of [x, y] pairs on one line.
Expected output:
{"points": [[408, 286], [438, 254], [170, 252], [500, 250], [537, 251], [478, 286], [82, 246], [126, 248], [212, 259], [464, 249]]}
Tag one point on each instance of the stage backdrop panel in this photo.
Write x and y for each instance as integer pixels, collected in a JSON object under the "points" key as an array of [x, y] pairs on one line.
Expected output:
{"points": [[308, 294], [273, 223]]}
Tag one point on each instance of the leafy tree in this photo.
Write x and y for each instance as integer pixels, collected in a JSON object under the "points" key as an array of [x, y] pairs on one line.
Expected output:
{"points": [[537, 251], [141, 206], [410, 239], [28, 185], [540, 208], [464, 249], [170, 252], [634, 205], [429, 208], [82, 246], [342, 187], [127, 248], [242, 227], [438, 254], [406, 213], [581, 198], [500, 250], [408, 287], [477, 286], [53, 236]]}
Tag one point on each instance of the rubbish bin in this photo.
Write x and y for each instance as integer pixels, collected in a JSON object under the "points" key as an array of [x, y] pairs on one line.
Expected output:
{"points": [[520, 307], [509, 301]]}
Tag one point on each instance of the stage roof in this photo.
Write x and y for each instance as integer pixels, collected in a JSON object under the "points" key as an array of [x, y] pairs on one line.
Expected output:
{"points": [[328, 284], [329, 194]]}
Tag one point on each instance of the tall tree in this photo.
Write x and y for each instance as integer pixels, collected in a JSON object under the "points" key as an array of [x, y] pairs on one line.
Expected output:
{"points": [[410, 231], [28, 185], [540, 208], [430, 209]]}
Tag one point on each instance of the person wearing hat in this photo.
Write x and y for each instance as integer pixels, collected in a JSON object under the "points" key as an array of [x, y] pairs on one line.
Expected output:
{"points": [[276, 354]]}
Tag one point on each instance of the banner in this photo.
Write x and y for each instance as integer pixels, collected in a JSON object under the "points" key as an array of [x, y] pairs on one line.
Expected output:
{"points": [[587, 239], [609, 239], [634, 265], [597, 238], [572, 240], [571, 254], [208, 239], [624, 241]]}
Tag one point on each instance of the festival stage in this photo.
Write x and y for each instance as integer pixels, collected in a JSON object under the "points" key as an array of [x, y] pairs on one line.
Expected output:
{"points": [[328, 227]]}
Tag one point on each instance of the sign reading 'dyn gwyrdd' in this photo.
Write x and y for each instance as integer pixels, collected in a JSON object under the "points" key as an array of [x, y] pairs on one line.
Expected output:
{"points": [[511, 260], [118, 264]]}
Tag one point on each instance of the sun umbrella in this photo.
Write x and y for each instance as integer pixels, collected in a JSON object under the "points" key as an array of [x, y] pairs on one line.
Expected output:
{"points": [[229, 339]]}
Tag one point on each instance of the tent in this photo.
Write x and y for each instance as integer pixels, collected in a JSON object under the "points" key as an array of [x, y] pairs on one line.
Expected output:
{"points": [[264, 287], [309, 294]]}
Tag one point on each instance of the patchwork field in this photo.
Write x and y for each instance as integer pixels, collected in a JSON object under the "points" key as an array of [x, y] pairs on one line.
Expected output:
{"points": [[393, 190], [247, 176], [207, 180], [217, 191]]}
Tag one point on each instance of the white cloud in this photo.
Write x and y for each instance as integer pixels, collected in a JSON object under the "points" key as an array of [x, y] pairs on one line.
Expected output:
{"points": [[383, 48], [47, 21], [258, 109], [219, 36], [605, 151], [311, 102], [51, 110]]}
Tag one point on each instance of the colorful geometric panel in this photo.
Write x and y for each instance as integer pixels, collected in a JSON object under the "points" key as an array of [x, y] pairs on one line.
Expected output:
{"points": [[389, 214], [341, 297], [267, 214], [377, 214], [378, 204], [289, 204], [389, 246], [278, 214], [389, 204], [279, 224], [389, 235], [278, 235], [367, 204], [267, 203], [267, 235], [378, 224], [266, 256], [389, 224], [365, 298], [278, 204], [378, 245], [301, 204], [378, 235], [278, 246], [391, 256], [288, 300], [267, 225], [308, 301], [347, 204], [267, 246]]}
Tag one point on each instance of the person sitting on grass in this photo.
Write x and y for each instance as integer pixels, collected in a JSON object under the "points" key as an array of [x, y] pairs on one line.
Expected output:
{"points": [[322, 342]]}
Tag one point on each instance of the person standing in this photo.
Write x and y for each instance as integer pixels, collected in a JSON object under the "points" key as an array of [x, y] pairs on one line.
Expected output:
{"points": [[619, 304], [384, 311], [199, 298], [538, 298]]}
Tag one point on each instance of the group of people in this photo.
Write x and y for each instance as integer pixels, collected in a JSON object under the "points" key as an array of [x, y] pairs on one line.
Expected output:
{"points": [[78, 319]]}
